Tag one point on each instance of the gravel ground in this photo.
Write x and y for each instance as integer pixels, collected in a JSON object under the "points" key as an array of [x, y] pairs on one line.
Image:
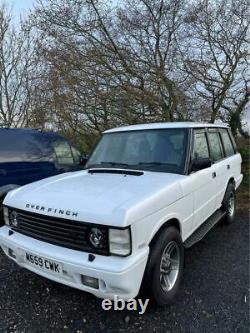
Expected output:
{"points": [[213, 298]]}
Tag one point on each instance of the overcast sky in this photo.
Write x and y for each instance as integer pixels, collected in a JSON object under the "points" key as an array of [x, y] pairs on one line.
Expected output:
{"points": [[20, 6]]}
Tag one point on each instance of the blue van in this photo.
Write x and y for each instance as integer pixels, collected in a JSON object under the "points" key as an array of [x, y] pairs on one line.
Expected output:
{"points": [[27, 155]]}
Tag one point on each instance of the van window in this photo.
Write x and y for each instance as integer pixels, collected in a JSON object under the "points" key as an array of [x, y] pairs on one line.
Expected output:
{"points": [[24, 146], [63, 152], [200, 146], [215, 146], [228, 146]]}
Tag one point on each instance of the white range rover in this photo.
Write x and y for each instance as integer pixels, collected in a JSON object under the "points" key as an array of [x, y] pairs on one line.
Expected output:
{"points": [[148, 192]]}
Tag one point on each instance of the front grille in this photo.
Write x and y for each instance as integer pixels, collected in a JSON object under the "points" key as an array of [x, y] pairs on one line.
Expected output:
{"points": [[58, 231]]}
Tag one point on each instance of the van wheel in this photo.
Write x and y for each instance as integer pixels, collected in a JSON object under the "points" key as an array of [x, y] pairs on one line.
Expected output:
{"points": [[165, 267], [229, 204]]}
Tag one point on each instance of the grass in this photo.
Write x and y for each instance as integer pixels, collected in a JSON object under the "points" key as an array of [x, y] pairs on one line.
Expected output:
{"points": [[243, 192]]}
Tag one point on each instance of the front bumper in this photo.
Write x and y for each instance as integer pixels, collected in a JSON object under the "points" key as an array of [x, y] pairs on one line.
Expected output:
{"points": [[116, 275]]}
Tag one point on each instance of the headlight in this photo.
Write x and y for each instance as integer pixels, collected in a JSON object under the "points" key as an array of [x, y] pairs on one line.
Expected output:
{"points": [[97, 238], [13, 219], [120, 242], [6, 215]]}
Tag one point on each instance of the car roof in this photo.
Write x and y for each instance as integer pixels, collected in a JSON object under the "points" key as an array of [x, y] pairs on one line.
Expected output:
{"points": [[164, 126]]}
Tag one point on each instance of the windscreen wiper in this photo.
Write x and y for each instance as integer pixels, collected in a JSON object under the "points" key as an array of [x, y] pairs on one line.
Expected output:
{"points": [[156, 163], [108, 164], [115, 164]]}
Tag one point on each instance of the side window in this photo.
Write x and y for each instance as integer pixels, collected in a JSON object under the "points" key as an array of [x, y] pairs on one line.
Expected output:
{"points": [[200, 149], [215, 145], [63, 152], [229, 150]]}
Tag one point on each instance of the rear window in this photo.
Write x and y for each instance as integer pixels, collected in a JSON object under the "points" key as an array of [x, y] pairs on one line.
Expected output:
{"points": [[24, 146], [228, 146]]}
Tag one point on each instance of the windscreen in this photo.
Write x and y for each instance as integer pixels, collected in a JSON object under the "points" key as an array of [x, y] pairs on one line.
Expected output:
{"points": [[160, 150]]}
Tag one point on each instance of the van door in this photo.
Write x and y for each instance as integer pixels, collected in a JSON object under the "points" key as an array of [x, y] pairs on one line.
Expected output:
{"points": [[203, 181]]}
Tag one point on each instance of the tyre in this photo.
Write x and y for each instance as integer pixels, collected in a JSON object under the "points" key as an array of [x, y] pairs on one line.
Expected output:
{"points": [[229, 204], [165, 267]]}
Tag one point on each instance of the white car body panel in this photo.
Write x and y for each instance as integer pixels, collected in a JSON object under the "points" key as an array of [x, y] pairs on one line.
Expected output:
{"points": [[224, 174]]}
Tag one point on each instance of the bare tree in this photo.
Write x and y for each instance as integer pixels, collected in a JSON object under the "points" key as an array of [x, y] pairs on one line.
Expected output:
{"points": [[215, 55], [235, 107], [129, 53], [140, 61], [16, 59]]}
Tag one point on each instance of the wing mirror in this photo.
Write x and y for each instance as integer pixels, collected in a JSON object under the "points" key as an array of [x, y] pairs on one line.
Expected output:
{"points": [[84, 160], [200, 163]]}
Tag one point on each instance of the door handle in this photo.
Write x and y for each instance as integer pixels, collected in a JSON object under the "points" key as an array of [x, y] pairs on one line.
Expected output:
{"points": [[228, 166], [214, 174]]}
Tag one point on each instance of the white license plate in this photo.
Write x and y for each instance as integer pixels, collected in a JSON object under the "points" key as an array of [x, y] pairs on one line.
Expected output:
{"points": [[43, 263]]}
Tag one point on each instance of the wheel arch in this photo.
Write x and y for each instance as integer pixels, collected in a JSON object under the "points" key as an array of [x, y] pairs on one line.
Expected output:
{"points": [[230, 181], [174, 222]]}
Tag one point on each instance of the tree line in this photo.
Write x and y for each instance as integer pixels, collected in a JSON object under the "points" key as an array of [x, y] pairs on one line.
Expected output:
{"points": [[82, 66]]}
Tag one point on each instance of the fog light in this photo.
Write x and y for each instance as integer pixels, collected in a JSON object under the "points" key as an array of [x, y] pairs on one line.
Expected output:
{"points": [[90, 281]]}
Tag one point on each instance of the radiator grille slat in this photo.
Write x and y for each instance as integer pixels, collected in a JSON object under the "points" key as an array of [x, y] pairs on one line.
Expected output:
{"points": [[54, 235], [62, 223], [45, 225]]}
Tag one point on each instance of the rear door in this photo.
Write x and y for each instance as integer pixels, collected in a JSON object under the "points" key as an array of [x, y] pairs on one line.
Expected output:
{"points": [[229, 166], [203, 181], [219, 163]]}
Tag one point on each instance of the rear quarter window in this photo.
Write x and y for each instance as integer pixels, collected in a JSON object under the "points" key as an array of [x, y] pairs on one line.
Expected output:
{"points": [[228, 146]]}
